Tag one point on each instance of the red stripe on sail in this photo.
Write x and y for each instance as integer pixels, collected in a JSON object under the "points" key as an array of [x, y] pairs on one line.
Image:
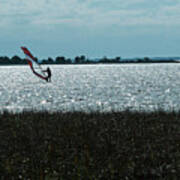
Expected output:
{"points": [[37, 74], [27, 52]]}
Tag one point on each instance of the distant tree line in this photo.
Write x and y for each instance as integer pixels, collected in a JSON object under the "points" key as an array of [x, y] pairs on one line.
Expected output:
{"points": [[16, 60]]}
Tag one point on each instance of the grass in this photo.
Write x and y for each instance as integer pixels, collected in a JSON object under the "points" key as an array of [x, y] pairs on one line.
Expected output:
{"points": [[76, 145]]}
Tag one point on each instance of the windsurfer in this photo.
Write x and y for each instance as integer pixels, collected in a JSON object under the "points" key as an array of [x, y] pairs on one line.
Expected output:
{"points": [[35, 66], [48, 71]]}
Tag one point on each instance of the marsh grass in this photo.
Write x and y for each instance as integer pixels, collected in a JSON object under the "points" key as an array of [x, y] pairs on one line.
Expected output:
{"points": [[76, 145]]}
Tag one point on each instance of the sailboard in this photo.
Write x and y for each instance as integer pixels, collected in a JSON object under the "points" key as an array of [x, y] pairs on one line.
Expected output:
{"points": [[34, 65]]}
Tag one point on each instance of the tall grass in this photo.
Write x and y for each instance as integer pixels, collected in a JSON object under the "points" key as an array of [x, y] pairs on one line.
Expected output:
{"points": [[121, 145]]}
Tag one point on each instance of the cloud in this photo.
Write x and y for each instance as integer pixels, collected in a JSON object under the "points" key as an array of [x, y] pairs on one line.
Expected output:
{"points": [[88, 13]]}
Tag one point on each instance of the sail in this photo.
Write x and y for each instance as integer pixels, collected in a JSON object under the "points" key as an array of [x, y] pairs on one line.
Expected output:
{"points": [[34, 65]]}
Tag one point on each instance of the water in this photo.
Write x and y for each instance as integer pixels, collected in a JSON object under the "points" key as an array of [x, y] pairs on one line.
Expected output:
{"points": [[144, 87]]}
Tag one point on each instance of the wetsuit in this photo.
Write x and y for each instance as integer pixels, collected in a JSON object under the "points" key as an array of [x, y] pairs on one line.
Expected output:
{"points": [[48, 78]]}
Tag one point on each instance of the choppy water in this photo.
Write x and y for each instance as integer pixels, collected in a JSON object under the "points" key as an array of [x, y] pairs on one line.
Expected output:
{"points": [[92, 87]]}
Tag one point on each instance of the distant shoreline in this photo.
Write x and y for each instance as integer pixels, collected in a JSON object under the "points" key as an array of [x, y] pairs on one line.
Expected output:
{"points": [[15, 60], [99, 63]]}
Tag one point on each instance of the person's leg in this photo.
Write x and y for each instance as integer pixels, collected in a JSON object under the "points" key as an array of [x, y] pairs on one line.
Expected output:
{"points": [[46, 79]]}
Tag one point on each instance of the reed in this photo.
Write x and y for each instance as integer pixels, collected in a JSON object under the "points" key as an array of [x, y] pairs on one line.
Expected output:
{"points": [[77, 145]]}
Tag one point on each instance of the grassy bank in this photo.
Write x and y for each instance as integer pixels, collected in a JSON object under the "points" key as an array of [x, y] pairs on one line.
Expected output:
{"points": [[124, 145]]}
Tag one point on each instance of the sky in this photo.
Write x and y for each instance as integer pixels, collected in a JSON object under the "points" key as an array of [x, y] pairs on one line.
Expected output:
{"points": [[94, 28]]}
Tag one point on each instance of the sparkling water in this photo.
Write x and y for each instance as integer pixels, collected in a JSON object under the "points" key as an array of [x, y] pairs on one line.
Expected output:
{"points": [[144, 87]]}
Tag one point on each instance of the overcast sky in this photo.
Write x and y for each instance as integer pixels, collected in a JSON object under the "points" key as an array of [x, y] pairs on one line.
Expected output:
{"points": [[94, 28]]}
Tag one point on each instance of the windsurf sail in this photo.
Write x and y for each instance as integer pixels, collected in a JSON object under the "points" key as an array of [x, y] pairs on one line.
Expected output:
{"points": [[34, 65]]}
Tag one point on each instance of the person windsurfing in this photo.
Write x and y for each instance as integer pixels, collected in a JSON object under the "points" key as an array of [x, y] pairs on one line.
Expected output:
{"points": [[48, 71], [35, 66]]}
